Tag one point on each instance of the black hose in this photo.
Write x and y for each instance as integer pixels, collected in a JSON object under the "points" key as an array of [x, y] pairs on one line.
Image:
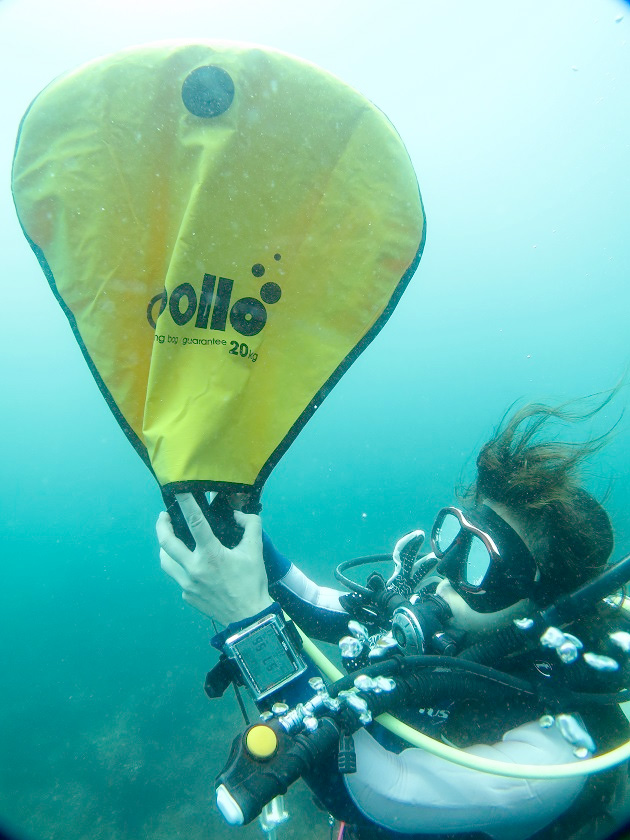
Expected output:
{"points": [[352, 585], [406, 665], [447, 678], [503, 643], [575, 605], [433, 687]]}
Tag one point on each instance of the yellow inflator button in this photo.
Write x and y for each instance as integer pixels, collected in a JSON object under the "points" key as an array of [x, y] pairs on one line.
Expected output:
{"points": [[261, 742]]}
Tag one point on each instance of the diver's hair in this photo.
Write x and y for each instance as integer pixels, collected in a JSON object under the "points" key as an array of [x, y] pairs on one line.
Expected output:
{"points": [[525, 467]]}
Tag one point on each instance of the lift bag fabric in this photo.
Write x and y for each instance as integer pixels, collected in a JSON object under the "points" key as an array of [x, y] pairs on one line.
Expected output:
{"points": [[226, 228]]}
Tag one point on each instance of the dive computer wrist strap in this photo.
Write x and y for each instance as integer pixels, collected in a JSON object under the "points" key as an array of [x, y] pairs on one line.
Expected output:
{"points": [[262, 653]]}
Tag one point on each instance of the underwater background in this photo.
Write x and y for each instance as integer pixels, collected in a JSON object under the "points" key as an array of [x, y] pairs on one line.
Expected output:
{"points": [[517, 119]]}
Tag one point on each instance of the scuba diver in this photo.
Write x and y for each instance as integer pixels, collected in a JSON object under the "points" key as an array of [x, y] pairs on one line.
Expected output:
{"points": [[522, 539]]}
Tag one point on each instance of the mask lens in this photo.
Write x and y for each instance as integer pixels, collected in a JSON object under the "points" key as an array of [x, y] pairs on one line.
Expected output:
{"points": [[477, 563], [447, 532]]}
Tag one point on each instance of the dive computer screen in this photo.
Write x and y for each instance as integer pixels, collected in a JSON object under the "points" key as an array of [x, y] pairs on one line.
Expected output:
{"points": [[267, 660]]}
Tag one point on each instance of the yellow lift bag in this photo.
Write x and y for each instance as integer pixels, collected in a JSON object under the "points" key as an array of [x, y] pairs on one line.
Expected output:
{"points": [[226, 228]]}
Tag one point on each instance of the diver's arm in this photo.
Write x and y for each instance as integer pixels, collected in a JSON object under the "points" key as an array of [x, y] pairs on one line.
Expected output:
{"points": [[231, 585], [315, 609], [418, 792]]}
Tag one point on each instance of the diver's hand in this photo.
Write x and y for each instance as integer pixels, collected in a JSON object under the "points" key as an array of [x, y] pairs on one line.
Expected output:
{"points": [[228, 584]]}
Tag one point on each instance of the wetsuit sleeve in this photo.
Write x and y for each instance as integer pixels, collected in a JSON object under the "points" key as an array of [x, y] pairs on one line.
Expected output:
{"points": [[418, 792], [315, 609]]}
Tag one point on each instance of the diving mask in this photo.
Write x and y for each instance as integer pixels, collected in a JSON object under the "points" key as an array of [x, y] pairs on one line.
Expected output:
{"points": [[483, 557]]}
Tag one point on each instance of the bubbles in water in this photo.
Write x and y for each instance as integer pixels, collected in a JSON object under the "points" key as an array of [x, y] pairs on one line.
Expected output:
{"points": [[622, 640], [350, 647], [552, 637], [573, 732], [601, 663]]}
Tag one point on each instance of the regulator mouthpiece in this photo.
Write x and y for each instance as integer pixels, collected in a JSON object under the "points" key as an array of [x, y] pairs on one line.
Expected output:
{"points": [[418, 625]]}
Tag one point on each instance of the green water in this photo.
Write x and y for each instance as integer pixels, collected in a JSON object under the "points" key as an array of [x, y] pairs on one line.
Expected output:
{"points": [[516, 117]]}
